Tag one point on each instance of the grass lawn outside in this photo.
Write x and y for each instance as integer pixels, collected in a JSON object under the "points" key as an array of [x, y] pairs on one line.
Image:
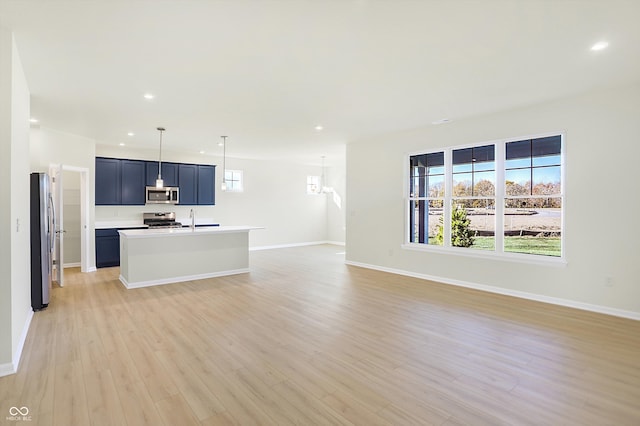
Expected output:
{"points": [[545, 246]]}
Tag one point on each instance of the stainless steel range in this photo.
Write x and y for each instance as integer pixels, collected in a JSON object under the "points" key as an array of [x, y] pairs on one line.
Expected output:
{"points": [[161, 220]]}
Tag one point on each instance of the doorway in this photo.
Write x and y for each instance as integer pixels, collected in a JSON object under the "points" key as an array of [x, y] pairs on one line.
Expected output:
{"points": [[71, 221]]}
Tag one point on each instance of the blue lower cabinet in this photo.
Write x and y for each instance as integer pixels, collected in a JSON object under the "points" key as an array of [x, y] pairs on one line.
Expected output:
{"points": [[107, 248]]}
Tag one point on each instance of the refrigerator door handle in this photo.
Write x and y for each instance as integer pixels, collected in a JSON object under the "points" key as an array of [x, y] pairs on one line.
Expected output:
{"points": [[52, 233]]}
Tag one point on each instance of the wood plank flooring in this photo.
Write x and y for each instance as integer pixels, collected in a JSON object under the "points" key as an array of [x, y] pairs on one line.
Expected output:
{"points": [[305, 339]]}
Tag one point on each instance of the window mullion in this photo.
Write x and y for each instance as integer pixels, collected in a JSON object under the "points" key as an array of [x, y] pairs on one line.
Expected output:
{"points": [[448, 191], [500, 196]]}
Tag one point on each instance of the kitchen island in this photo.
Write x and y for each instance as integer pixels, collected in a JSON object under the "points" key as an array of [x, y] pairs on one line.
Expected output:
{"points": [[162, 256]]}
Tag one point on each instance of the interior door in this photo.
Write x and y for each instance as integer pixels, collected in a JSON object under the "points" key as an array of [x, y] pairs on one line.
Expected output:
{"points": [[58, 251]]}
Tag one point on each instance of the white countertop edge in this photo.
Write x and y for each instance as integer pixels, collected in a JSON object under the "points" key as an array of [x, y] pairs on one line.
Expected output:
{"points": [[177, 232], [122, 224], [119, 224], [174, 280]]}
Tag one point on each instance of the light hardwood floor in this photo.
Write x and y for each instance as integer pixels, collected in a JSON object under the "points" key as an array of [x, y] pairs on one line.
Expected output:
{"points": [[304, 339]]}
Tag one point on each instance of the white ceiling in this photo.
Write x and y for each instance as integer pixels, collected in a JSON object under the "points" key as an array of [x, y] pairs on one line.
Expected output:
{"points": [[265, 72]]}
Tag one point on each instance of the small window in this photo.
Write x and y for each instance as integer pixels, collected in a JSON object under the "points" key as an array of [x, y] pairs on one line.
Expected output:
{"points": [[233, 179], [313, 184]]}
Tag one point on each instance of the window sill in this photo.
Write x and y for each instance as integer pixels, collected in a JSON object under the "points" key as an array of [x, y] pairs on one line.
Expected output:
{"points": [[509, 257]]}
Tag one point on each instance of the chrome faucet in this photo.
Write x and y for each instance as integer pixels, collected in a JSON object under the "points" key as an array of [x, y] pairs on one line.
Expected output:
{"points": [[192, 216]]}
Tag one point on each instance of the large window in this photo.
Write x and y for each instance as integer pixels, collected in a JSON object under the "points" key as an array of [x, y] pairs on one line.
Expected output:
{"points": [[460, 197]]}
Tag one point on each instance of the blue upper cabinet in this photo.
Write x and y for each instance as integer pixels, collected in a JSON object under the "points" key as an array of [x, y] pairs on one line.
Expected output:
{"points": [[188, 181], [122, 182], [132, 182], [108, 179], [169, 173], [206, 185]]}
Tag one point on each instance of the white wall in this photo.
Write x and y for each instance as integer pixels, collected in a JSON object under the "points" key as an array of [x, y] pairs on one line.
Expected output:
{"points": [[20, 242], [49, 146], [5, 193], [601, 240], [336, 202], [274, 197], [15, 276]]}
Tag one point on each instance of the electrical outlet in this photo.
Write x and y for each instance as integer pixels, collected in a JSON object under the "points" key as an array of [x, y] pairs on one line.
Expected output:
{"points": [[608, 281]]}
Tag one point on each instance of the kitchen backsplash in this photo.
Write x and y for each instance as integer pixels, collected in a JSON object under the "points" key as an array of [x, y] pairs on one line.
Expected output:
{"points": [[132, 214]]}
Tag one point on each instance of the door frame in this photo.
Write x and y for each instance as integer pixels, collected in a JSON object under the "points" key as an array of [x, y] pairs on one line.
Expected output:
{"points": [[84, 211]]}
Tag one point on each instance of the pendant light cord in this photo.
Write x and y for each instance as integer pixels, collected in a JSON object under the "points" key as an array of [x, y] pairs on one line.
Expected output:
{"points": [[224, 159], [161, 129]]}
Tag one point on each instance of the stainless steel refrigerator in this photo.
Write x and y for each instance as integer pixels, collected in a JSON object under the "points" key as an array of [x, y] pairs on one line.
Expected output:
{"points": [[42, 239]]}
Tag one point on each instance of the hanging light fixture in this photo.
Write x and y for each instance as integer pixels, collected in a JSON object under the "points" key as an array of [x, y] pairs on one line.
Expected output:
{"points": [[224, 160], [159, 181], [323, 184]]}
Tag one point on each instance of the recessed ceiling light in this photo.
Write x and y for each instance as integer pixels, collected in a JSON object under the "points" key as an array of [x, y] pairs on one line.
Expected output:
{"points": [[201, 152], [121, 143], [220, 143], [600, 46], [130, 134], [33, 120], [318, 128], [441, 121], [148, 96]]}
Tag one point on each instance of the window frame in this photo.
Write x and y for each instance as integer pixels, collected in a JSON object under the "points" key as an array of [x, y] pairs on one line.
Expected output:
{"points": [[500, 197], [427, 198]]}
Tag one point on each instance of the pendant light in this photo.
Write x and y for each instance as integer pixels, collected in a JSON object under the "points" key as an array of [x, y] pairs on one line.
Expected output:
{"points": [[159, 181], [323, 183], [224, 160]]}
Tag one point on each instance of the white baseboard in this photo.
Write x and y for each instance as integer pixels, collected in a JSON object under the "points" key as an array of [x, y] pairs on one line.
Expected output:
{"points": [[308, 243], [499, 290], [335, 243], [92, 269], [72, 265], [6, 369], [17, 356], [12, 367]]}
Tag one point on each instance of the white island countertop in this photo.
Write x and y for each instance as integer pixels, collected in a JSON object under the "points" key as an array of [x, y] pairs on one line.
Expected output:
{"points": [[167, 232], [169, 255]]}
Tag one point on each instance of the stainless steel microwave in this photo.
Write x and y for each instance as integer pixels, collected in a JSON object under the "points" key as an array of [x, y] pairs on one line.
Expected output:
{"points": [[166, 195]]}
